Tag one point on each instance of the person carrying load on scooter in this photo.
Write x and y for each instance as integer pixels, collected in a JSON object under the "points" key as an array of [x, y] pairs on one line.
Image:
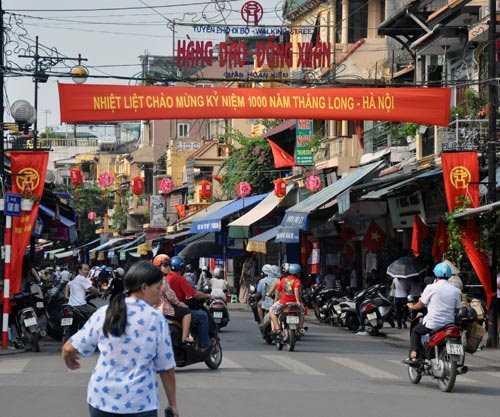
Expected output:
{"points": [[272, 276], [170, 305], [288, 291], [218, 284], [442, 301]]}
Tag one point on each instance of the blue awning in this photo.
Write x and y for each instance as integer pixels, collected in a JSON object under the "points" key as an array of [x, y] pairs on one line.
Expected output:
{"points": [[258, 243], [288, 235], [296, 216], [52, 214], [213, 222]]}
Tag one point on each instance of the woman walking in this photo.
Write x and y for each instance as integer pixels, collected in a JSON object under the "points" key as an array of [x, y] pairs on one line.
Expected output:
{"points": [[134, 344]]}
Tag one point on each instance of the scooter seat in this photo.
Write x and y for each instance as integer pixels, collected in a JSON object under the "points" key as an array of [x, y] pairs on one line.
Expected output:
{"points": [[447, 326]]}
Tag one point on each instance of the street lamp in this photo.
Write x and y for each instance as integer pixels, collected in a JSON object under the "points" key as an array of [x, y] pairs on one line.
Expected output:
{"points": [[79, 74], [23, 113]]}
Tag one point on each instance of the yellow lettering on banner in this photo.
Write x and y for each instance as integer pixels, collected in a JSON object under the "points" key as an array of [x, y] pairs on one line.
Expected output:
{"points": [[369, 102], [386, 102], [279, 102], [238, 101], [110, 102]]}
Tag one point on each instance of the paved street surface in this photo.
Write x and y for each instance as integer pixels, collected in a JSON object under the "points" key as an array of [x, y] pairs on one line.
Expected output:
{"points": [[333, 373]]}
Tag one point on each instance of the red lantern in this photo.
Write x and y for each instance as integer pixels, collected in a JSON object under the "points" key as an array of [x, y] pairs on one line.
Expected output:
{"points": [[138, 185], [76, 176], [106, 180], [205, 190], [243, 189], [280, 187], [91, 215], [166, 186], [313, 183]]}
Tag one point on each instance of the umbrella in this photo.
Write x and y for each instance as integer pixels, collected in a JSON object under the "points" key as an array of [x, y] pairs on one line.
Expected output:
{"points": [[201, 249], [405, 267]]}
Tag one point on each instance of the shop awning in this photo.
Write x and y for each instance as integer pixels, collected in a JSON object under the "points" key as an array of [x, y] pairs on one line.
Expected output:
{"points": [[288, 235], [51, 253], [199, 215], [259, 242], [240, 228], [282, 127], [53, 216], [109, 244], [93, 242], [137, 240], [296, 216], [66, 254], [175, 236], [382, 192], [213, 222]]}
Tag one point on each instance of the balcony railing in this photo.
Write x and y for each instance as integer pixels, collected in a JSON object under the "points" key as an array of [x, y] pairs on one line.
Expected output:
{"points": [[466, 134], [382, 135], [68, 142]]}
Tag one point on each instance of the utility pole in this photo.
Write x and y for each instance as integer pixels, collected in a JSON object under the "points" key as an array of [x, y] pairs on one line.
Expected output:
{"points": [[492, 164], [2, 150]]}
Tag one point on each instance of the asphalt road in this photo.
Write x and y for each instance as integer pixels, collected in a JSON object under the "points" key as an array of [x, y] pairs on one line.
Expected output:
{"points": [[333, 373]]}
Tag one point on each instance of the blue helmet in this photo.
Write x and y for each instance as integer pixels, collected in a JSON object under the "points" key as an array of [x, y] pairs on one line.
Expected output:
{"points": [[294, 269], [177, 264], [443, 270]]}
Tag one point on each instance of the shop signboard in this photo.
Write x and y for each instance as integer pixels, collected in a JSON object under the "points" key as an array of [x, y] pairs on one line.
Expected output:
{"points": [[303, 153]]}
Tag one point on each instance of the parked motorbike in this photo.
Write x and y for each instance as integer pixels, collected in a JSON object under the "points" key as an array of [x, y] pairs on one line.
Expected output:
{"points": [[322, 299], [74, 318], [289, 320], [25, 321], [443, 355], [375, 309], [54, 302], [348, 315], [190, 354]]}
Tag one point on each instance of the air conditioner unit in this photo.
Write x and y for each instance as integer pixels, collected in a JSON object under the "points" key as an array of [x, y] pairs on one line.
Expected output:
{"points": [[404, 208]]}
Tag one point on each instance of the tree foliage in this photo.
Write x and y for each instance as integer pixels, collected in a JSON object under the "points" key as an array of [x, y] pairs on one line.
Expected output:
{"points": [[250, 161], [86, 198]]}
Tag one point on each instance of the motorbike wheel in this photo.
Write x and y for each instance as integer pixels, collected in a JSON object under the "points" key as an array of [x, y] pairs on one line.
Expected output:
{"points": [[35, 342], [352, 322], [215, 358], [279, 342], [291, 340], [447, 382], [414, 375]]}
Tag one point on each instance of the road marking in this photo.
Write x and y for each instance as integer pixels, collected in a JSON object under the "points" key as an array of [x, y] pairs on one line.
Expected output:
{"points": [[292, 365], [230, 364], [362, 368], [13, 366]]}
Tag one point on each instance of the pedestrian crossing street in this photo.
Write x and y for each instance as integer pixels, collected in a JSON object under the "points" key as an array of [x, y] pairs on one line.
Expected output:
{"points": [[259, 364]]}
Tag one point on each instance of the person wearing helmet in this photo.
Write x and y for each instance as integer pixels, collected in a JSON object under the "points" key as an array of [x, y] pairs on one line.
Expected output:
{"points": [[271, 277], [218, 284], [170, 305], [187, 295], [288, 291], [442, 301]]}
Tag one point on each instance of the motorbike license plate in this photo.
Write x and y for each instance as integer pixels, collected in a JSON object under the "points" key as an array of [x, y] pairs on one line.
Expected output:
{"points": [[454, 349], [292, 320], [218, 314], [30, 322], [371, 316], [39, 304], [67, 321]]}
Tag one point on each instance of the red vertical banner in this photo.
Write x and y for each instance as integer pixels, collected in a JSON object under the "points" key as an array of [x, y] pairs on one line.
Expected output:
{"points": [[28, 178], [419, 233], [440, 243], [461, 178], [461, 183]]}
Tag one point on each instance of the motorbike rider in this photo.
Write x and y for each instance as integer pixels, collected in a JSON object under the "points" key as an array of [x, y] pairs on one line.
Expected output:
{"points": [[288, 290], [116, 287], [186, 294], [271, 276], [218, 284], [442, 301], [77, 290], [170, 306], [190, 275]]}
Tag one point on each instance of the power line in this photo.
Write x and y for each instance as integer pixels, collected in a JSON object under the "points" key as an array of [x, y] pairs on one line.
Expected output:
{"points": [[167, 6]]}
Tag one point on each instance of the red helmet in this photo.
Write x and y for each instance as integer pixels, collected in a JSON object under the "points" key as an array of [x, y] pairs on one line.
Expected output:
{"points": [[161, 260]]}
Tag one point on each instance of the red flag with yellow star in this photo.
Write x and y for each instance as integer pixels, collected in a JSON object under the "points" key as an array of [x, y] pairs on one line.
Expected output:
{"points": [[374, 238], [282, 159]]}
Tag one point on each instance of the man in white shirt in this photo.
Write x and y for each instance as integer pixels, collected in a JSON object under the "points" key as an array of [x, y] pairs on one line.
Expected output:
{"points": [[442, 301], [77, 289]]}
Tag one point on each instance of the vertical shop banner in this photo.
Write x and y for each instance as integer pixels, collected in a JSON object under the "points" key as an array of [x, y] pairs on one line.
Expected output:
{"points": [[303, 152], [461, 183], [157, 212], [28, 178], [461, 178], [420, 232]]}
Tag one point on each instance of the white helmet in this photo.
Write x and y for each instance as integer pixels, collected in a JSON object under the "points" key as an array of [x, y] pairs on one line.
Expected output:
{"points": [[65, 276], [218, 272], [120, 272]]}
